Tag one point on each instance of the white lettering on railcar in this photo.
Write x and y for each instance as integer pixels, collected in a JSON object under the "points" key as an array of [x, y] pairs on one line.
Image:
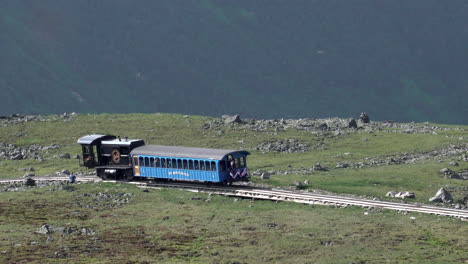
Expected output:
{"points": [[179, 173]]}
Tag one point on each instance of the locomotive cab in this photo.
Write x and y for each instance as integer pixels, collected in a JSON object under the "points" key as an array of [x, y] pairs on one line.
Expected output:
{"points": [[91, 149]]}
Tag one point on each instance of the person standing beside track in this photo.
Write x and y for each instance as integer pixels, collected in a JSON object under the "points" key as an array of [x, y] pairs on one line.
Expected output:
{"points": [[72, 178]]}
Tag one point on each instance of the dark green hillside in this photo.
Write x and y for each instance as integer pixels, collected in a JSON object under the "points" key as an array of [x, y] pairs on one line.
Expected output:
{"points": [[397, 60]]}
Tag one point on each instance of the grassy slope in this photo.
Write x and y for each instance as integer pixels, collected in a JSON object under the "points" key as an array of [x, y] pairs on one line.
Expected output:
{"points": [[223, 231], [167, 226]]}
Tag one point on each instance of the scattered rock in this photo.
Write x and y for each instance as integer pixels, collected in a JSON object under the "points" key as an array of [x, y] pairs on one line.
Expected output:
{"points": [[265, 175], [352, 123], [298, 184], [27, 175], [307, 182], [12, 152], [47, 229], [442, 196], [231, 119], [284, 146], [29, 182], [453, 163], [364, 118], [318, 167], [342, 165], [403, 195], [65, 156], [463, 174], [44, 229]]}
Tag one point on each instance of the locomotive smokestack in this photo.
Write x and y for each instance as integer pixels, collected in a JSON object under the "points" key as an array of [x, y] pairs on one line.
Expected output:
{"points": [[119, 138]]}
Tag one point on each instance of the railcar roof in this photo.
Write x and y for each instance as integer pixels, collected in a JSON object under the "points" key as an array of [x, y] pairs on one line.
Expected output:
{"points": [[120, 141], [185, 152], [89, 139]]}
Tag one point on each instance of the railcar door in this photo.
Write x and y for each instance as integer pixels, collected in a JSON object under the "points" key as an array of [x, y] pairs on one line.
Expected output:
{"points": [[136, 166]]}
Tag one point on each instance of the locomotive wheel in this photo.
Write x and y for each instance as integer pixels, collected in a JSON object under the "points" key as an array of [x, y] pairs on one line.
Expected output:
{"points": [[116, 156]]}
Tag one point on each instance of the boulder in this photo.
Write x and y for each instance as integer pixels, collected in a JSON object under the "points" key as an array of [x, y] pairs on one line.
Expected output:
{"points": [[449, 174], [442, 196], [352, 123], [298, 184], [265, 175], [364, 118], [342, 165], [44, 229], [453, 163], [231, 119], [65, 156], [318, 167], [402, 195], [29, 182]]}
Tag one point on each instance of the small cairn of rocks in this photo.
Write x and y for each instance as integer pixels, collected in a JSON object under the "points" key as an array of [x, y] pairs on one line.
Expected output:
{"points": [[284, 146]]}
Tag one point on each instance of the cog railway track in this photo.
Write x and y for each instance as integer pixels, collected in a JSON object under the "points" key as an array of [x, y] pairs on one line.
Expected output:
{"points": [[273, 195]]}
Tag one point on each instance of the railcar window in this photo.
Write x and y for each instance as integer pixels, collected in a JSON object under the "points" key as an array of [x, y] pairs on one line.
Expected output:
{"points": [[87, 149], [163, 162], [157, 163], [242, 162], [213, 166], [202, 165], [147, 162], [151, 162], [185, 164], [190, 164], [179, 163], [124, 151], [135, 161], [141, 161], [174, 163], [237, 163], [196, 165]]}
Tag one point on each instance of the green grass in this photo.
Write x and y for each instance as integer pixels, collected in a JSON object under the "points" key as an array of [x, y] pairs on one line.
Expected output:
{"points": [[175, 129], [168, 226]]}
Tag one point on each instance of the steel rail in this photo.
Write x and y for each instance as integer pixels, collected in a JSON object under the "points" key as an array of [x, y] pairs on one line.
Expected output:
{"points": [[272, 194], [312, 198]]}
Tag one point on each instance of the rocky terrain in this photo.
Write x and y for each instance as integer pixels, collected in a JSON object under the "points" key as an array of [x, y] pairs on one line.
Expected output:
{"points": [[18, 118], [12, 152]]}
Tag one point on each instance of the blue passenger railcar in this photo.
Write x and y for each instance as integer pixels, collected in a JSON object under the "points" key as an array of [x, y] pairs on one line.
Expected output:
{"points": [[190, 164]]}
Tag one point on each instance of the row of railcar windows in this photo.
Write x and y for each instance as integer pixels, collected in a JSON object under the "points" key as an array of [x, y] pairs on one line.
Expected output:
{"points": [[182, 164]]}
